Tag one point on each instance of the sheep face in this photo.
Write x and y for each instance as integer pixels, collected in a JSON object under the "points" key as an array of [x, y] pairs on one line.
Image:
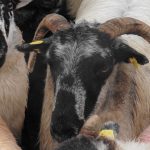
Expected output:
{"points": [[6, 9], [81, 59], [6, 13], [7, 26]]}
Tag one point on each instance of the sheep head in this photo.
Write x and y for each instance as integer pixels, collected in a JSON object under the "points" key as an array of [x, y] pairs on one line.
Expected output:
{"points": [[10, 35], [81, 58], [6, 12]]}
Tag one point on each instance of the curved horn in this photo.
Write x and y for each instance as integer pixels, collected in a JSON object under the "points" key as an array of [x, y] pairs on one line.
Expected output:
{"points": [[53, 23], [119, 26]]}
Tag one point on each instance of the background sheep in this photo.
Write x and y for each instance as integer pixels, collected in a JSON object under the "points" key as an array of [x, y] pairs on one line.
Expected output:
{"points": [[34, 12], [13, 75], [103, 142]]}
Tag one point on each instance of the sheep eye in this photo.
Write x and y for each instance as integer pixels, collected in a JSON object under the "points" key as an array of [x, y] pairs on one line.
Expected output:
{"points": [[101, 70], [104, 69]]}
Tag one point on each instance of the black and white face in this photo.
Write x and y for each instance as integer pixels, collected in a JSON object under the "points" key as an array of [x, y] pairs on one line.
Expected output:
{"points": [[6, 13], [7, 24], [6, 9]]}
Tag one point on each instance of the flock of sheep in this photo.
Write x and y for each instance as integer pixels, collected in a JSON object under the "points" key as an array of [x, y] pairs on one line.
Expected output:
{"points": [[86, 70]]}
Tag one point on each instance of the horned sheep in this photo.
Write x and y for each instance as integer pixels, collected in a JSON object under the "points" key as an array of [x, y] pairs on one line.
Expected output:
{"points": [[90, 70]]}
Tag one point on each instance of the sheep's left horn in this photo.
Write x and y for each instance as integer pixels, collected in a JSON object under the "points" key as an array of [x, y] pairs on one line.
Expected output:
{"points": [[119, 26], [53, 23]]}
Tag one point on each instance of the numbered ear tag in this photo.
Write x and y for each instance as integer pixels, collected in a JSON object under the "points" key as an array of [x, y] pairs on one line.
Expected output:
{"points": [[134, 62], [107, 133]]}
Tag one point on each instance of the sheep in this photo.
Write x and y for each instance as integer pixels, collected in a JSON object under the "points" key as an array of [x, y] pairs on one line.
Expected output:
{"points": [[34, 12], [74, 55], [13, 75], [85, 112], [105, 141]]}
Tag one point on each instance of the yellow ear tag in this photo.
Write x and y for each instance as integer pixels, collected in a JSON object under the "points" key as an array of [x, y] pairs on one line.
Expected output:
{"points": [[134, 62], [107, 134], [36, 42]]}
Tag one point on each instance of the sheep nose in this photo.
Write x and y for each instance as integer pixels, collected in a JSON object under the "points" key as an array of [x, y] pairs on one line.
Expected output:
{"points": [[61, 133]]}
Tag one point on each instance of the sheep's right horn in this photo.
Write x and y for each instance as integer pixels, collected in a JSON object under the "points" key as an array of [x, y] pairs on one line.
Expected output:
{"points": [[53, 23], [119, 26]]}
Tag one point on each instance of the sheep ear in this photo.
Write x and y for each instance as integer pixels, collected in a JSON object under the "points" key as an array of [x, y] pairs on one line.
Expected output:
{"points": [[123, 53], [39, 46], [23, 3]]}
